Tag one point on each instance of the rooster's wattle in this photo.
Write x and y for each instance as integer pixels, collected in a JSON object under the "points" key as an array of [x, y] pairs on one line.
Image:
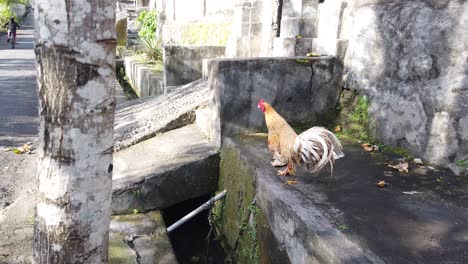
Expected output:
{"points": [[314, 148]]}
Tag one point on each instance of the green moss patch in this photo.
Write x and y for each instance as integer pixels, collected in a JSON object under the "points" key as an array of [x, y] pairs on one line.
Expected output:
{"points": [[236, 216], [354, 117]]}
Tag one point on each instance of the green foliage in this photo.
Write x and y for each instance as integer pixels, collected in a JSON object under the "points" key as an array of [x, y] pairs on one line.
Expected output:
{"points": [[343, 227], [397, 151], [149, 23], [5, 14], [248, 236], [355, 118], [153, 49], [462, 163]]}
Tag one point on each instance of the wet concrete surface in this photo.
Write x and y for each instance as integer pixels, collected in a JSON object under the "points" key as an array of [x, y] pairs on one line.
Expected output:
{"points": [[418, 217]]}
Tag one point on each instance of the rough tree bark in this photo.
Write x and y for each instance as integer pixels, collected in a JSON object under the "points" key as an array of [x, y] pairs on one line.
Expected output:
{"points": [[75, 53]]}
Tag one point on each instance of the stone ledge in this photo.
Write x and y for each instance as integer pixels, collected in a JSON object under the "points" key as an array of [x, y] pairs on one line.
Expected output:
{"points": [[184, 63], [162, 171], [351, 221]]}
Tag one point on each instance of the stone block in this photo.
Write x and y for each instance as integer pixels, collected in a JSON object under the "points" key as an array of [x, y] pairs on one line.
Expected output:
{"points": [[290, 26], [289, 47], [145, 81], [140, 238], [307, 27], [119, 251], [287, 83], [203, 121], [292, 8], [121, 29], [138, 120], [174, 167], [183, 63]]}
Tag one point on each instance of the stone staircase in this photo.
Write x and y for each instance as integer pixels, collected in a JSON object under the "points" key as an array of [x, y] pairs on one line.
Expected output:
{"points": [[162, 158]]}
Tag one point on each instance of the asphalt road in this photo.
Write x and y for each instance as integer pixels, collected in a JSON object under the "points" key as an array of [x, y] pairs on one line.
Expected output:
{"points": [[18, 125]]}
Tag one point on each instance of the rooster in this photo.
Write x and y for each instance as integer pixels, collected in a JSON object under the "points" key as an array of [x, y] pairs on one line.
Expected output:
{"points": [[314, 148]]}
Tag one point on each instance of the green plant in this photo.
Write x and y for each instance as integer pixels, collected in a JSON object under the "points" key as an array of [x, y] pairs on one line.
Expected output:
{"points": [[248, 235], [153, 49], [149, 24], [5, 14], [462, 163]]}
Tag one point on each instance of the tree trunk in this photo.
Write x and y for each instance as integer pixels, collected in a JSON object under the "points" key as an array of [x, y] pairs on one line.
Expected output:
{"points": [[75, 53]]}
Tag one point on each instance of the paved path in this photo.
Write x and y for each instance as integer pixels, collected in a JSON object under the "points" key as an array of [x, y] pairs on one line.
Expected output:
{"points": [[18, 98], [18, 125]]}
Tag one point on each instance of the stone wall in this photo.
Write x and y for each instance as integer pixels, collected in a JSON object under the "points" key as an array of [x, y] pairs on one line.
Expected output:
{"points": [[145, 81], [411, 59], [302, 90], [184, 63], [200, 22]]}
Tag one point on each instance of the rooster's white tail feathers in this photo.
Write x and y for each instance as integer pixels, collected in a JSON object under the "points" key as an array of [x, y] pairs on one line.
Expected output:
{"points": [[317, 147]]}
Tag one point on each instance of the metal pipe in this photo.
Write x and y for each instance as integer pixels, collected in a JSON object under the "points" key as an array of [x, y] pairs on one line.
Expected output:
{"points": [[196, 211]]}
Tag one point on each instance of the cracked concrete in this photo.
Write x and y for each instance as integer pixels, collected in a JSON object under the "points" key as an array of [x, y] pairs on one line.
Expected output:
{"points": [[141, 239]]}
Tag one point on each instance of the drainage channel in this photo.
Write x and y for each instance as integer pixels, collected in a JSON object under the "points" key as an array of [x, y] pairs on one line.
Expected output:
{"points": [[189, 240]]}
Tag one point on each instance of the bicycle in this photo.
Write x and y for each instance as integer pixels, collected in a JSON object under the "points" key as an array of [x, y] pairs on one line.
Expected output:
{"points": [[12, 38]]}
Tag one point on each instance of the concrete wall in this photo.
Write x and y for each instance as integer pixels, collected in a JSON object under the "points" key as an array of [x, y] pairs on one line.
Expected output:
{"points": [[145, 81], [200, 22], [408, 56], [302, 90], [411, 59], [184, 64]]}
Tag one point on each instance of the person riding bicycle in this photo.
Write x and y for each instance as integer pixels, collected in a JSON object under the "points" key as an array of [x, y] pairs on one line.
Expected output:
{"points": [[12, 27]]}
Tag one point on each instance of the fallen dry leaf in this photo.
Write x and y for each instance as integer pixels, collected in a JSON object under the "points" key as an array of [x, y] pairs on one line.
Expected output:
{"points": [[25, 149], [312, 54], [369, 147], [291, 182], [380, 184], [338, 128], [401, 167]]}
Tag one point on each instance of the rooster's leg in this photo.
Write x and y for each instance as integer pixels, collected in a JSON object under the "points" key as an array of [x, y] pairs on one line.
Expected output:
{"points": [[289, 170]]}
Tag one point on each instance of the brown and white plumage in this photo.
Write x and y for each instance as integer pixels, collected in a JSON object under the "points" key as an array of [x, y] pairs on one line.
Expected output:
{"points": [[314, 148]]}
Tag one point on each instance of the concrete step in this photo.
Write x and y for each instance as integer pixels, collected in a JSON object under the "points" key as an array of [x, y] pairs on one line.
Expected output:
{"points": [[139, 239], [162, 171], [420, 217], [141, 119]]}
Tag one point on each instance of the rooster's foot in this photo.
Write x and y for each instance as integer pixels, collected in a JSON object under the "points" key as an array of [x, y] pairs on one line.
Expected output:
{"points": [[285, 172]]}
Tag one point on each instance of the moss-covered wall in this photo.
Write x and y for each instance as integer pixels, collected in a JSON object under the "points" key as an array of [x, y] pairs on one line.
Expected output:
{"points": [[353, 117], [241, 224]]}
